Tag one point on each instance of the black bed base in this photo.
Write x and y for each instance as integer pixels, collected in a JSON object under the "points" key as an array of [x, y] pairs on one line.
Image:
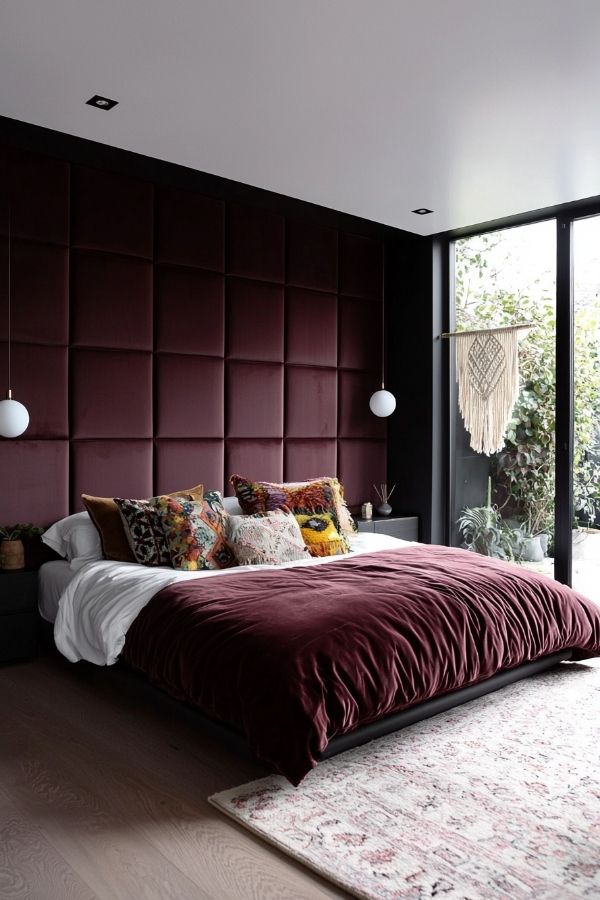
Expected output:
{"points": [[429, 708], [132, 684]]}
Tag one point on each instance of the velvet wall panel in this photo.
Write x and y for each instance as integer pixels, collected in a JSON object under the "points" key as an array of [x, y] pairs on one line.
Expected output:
{"points": [[179, 463], [258, 459], [190, 311], [254, 400], [41, 372], [256, 243], [34, 481], [111, 301], [189, 397], [111, 212], [309, 459], [121, 468], [111, 394], [163, 338], [39, 292], [39, 196], [312, 256], [190, 230], [310, 402], [312, 328], [255, 324]]}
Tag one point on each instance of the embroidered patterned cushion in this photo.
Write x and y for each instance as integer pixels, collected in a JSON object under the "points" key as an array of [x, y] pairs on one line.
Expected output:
{"points": [[144, 531], [267, 539], [321, 534], [324, 494], [196, 532], [105, 515]]}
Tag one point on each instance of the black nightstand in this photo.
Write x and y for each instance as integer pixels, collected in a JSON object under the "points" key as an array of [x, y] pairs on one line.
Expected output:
{"points": [[405, 527], [19, 617]]}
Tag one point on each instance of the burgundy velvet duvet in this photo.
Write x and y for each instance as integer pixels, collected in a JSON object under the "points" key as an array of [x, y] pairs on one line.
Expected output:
{"points": [[292, 657]]}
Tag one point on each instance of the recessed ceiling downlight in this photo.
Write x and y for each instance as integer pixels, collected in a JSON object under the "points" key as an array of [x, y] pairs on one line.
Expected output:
{"points": [[101, 102], [422, 211]]}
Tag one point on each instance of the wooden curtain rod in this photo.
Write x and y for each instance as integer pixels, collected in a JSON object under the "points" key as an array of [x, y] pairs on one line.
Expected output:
{"points": [[521, 327]]}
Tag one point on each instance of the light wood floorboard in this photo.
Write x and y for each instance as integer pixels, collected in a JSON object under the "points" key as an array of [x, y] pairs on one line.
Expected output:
{"points": [[103, 796]]}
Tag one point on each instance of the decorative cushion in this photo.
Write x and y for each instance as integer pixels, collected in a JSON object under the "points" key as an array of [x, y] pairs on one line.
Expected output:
{"points": [[196, 532], [323, 494], [321, 535], [266, 539], [105, 515], [144, 531]]}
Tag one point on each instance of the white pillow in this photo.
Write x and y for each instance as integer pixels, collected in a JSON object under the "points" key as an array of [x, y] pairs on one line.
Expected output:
{"points": [[74, 537], [232, 506]]}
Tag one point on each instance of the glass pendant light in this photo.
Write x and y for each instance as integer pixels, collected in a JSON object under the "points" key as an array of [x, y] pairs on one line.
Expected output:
{"points": [[382, 402], [14, 417]]}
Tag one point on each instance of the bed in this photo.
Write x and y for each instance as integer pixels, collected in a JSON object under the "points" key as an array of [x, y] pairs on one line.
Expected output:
{"points": [[307, 658]]}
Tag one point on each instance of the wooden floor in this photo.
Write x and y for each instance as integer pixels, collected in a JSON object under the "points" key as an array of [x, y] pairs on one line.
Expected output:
{"points": [[103, 796]]}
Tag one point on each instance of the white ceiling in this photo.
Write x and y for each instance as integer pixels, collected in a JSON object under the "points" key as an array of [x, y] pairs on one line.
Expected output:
{"points": [[477, 109]]}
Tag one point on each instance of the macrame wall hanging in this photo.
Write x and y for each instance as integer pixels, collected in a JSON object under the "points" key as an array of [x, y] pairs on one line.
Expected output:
{"points": [[487, 371]]}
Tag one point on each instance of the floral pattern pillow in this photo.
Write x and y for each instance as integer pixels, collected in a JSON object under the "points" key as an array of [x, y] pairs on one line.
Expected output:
{"points": [[144, 531], [321, 534], [196, 532], [266, 539], [322, 494]]}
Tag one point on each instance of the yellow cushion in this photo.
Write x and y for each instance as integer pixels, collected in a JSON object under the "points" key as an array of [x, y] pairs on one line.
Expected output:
{"points": [[321, 535]]}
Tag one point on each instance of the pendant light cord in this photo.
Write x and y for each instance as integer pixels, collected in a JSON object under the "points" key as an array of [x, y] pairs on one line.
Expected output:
{"points": [[383, 327], [9, 288]]}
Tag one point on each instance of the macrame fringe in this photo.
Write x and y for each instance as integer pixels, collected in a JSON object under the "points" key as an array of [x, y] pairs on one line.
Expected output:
{"points": [[487, 371]]}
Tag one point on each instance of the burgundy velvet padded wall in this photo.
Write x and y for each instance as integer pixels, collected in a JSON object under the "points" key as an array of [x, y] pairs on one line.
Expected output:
{"points": [[163, 338]]}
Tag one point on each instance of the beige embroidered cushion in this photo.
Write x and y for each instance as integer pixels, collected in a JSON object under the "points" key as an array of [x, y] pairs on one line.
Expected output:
{"points": [[266, 539]]}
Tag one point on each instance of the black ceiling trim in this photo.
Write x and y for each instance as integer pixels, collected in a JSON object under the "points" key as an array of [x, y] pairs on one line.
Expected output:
{"points": [[589, 206]]}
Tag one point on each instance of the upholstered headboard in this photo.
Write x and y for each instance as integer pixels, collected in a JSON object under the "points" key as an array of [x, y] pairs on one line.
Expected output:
{"points": [[163, 338]]}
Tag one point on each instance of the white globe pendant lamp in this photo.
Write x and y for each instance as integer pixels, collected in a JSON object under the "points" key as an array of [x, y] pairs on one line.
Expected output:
{"points": [[14, 417], [382, 402]]}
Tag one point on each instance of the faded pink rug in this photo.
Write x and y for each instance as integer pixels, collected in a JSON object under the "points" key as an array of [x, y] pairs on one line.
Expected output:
{"points": [[499, 798]]}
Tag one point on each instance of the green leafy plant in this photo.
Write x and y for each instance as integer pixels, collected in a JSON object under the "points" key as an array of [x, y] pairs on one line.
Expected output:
{"points": [[524, 470], [484, 531], [19, 531]]}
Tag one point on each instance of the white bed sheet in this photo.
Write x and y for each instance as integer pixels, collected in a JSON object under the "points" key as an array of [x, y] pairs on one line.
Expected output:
{"points": [[53, 578], [102, 600]]}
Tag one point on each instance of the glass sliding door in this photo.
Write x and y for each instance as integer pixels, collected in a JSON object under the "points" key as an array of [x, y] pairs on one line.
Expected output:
{"points": [[503, 505], [586, 403]]}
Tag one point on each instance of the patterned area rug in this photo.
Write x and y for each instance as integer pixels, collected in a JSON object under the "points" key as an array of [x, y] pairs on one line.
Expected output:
{"points": [[499, 798]]}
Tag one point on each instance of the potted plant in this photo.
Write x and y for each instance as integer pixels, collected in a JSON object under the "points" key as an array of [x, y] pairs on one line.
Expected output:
{"points": [[12, 547], [484, 531]]}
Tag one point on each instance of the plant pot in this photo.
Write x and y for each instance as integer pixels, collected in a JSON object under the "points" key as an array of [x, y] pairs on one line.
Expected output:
{"points": [[12, 555], [384, 509], [532, 550]]}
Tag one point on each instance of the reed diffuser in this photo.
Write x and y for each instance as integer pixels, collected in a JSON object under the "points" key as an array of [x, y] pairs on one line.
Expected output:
{"points": [[384, 509]]}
